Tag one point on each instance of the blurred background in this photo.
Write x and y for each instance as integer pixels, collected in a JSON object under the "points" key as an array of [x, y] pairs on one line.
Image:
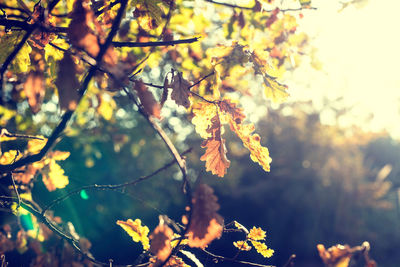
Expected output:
{"points": [[335, 145]]}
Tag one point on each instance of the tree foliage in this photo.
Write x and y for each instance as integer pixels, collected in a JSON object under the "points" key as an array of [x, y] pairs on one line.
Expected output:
{"points": [[94, 70]]}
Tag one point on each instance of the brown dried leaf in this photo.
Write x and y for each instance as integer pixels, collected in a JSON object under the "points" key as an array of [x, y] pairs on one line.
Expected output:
{"points": [[335, 256], [180, 90], [34, 90], [160, 242], [150, 105], [79, 31], [215, 157], [67, 83], [206, 223]]}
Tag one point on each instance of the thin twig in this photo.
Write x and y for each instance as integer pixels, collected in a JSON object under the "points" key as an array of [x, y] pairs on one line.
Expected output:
{"points": [[16, 191], [290, 261], [111, 186], [235, 261], [153, 44], [252, 8]]}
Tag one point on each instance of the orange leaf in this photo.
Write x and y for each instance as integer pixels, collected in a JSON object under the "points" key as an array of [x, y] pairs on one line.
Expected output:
{"points": [[79, 31], [160, 242], [150, 105], [180, 90], [338, 256], [34, 90], [251, 141], [215, 157], [206, 223]]}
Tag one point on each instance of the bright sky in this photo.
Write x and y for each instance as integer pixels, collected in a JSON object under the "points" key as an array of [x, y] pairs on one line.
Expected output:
{"points": [[360, 52]]}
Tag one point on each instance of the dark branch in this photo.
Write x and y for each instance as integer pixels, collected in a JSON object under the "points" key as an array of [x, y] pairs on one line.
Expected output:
{"points": [[111, 186], [151, 44], [222, 258], [9, 23], [252, 8]]}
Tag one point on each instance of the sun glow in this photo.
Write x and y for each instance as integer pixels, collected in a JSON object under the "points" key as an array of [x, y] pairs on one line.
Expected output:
{"points": [[359, 51]]}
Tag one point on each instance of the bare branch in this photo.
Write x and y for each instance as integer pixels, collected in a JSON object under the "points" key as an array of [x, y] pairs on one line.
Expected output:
{"points": [[152, 44], [222, 258], [111, 186]]}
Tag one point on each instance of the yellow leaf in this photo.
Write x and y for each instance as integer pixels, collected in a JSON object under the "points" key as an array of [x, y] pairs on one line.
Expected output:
{"points": [[251, 141], [138, 232], [263, 249], [203, 113], [35, 145], [242, 245], [9, 157], [59, 155], [56, 54], [7, 44], [53, 177], [256, 234], [274, 90]]}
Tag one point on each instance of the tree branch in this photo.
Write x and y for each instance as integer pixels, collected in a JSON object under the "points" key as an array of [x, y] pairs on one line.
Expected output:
{"points": [[110, 186], [222, 258], [251, 8], [152, 44], [68, 114]]}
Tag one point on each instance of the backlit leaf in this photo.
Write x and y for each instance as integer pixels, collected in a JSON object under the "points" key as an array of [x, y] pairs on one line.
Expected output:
{"points": [[262, 249], [251, 141], [203, 113], [53, 176], [206, 223], [8, 42], [215, 157], [160, 242], [242, 245], [256, 234], [137, 231], [79, 31]]}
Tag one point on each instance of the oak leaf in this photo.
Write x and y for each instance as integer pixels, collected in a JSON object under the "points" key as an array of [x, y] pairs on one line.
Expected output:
{"points": [[251, 141], [263, 249], [67, 83], [34, 90], [215, 156], [256, 234], [336, 256], [150, 105], [180, 90], [206, 224], [138, 232], [79, 31], [203, 113], [242, 245], [175, 261], [53, 176], [160, 242]]}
